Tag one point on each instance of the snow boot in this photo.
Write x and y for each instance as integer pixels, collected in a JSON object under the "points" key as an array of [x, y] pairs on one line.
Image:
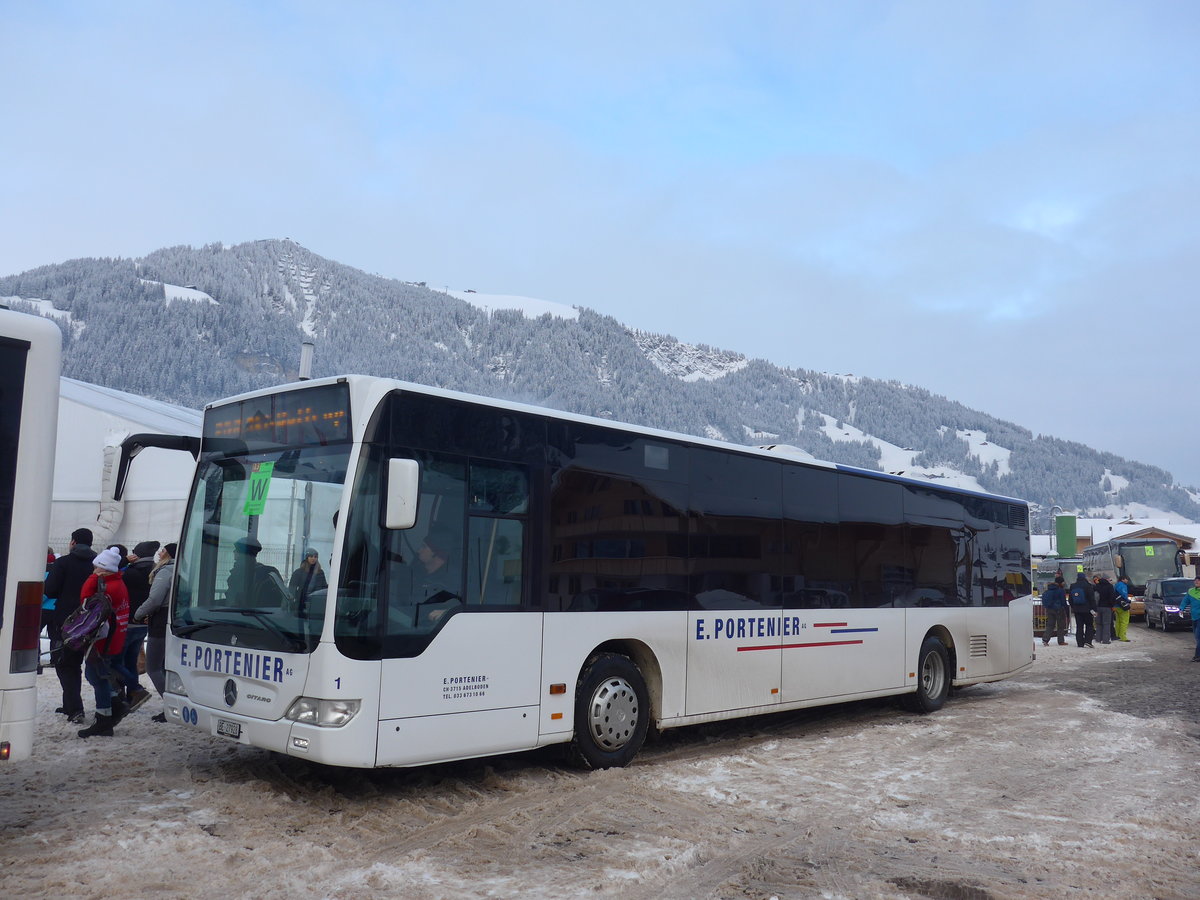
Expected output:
{"points": [[102, 727], [136, 699]]}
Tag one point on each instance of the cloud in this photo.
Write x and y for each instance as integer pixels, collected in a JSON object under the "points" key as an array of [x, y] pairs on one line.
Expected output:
{"points": [[928, 192]]}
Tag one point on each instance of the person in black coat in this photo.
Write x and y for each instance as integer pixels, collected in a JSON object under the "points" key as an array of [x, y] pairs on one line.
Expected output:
{"points": [[1082, 598], [64, 581], [1106, 596], [137, 582]]}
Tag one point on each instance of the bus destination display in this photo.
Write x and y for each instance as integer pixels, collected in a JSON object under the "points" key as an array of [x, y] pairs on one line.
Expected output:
{"points": [[318, 415]]}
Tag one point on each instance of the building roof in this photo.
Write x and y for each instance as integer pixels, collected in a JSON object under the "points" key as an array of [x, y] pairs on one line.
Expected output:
{"points": [[1101, 530], [151, 415]]}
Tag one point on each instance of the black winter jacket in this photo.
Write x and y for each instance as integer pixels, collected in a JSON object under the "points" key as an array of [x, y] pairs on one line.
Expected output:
{"points": [[137, 582], [65, 579]]}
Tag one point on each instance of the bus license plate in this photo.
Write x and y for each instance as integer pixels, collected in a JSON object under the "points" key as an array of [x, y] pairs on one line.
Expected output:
{"points": [[229, 729]]}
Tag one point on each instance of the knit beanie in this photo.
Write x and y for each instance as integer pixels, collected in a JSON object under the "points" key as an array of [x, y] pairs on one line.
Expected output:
{"points": [[145, 549], [109, 560]]}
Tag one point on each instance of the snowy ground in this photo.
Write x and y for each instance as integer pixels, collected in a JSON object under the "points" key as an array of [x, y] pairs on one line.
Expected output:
{"points": [[1078, 779]]}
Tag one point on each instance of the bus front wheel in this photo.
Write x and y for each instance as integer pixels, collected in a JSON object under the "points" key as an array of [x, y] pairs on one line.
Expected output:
{"points": [[612, 712], [933, 677]]}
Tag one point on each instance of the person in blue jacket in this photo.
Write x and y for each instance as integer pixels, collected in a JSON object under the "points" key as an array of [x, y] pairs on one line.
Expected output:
{"points": [[1121, 610], [1054, 601], [1191, 603]]}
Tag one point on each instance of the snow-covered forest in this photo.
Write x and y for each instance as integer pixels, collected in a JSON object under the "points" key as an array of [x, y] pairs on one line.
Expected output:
{"points": [[190, 325]]}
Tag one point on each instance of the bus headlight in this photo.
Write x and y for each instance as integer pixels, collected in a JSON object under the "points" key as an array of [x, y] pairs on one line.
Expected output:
{"points": [[323, 713], [174, 684]]}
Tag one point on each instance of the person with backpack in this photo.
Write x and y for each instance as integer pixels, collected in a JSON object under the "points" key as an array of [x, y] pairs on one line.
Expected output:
{"points": [[64, 581], [1106, 598], [1054, 601], [1082, 599], [1121, 609], [105, 652]]}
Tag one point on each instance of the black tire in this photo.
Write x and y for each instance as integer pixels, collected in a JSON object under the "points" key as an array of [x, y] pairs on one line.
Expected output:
{"points": [[612, 713], [933, 678]]}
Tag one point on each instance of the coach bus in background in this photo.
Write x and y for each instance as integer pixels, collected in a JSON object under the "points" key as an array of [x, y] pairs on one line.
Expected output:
{"points": [[1051, 567], [1139, 560], [498, 577], [30, 359]]}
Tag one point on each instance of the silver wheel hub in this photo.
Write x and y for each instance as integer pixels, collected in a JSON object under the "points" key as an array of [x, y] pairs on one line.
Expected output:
{"points": [[933, 675], [613, 713]]}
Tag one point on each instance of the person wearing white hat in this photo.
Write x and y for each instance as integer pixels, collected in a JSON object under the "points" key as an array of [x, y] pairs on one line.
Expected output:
{"points": [[105, 652]]}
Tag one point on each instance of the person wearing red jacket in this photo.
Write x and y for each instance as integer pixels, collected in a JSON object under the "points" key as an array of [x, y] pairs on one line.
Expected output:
{"points": [[106, 651]]}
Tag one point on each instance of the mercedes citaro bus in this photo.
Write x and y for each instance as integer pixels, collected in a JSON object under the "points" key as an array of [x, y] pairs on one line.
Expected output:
{"points": [[375, 573]]}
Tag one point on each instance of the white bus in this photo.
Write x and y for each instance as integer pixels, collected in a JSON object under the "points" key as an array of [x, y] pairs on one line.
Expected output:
{"points": [[30, 356], [502, 577]]}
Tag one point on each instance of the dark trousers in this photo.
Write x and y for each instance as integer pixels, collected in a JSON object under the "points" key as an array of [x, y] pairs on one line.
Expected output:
{"points": [[134, 638], [68, 666], [1056, 625], [1085, 626]]}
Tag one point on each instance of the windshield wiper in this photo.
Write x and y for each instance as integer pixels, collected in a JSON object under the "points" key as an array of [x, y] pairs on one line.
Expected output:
{"points": [[297, 644]]}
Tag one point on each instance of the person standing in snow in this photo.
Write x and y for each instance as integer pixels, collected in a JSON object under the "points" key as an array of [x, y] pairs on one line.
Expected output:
{"points": [[136, 576], [1105, 598], [154, 611], [1191, 604], [64, 580], [1121, 609], [106, 652], [1082, 599], [1054, 601]]}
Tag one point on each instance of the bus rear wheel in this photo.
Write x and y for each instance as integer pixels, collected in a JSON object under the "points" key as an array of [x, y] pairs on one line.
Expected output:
{"points": [[612, 713], [933, 677]]}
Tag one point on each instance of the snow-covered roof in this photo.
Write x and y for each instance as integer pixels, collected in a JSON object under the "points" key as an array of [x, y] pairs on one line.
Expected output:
{"points": [[1100, 530], [154, 415]]}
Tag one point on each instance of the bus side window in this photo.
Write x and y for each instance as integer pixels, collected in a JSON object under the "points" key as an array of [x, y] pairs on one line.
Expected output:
{"points": [[499, 499]]}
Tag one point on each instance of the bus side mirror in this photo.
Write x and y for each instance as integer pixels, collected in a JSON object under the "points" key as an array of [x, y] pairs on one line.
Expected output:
{"points": [[404, 479], [1120, 560]]}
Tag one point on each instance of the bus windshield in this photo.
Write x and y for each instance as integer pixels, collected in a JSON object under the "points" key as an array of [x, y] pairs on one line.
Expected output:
{"points": [[252, 565], [1146, 561]]}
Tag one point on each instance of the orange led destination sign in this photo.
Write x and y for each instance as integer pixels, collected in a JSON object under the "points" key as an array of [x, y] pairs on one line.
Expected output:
{"points": [[317, 415]]}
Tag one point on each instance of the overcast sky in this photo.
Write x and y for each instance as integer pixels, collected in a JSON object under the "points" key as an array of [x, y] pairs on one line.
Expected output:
{"points": [[998, 201]]}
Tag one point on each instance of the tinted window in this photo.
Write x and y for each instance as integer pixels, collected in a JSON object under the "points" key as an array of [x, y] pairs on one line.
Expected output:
{"points": [[882, 570], [736, 538], [13, 355], [616, 543], [399, 587], [435, 423]]}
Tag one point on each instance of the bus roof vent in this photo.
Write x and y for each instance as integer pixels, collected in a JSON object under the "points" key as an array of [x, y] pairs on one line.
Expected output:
{"points": [[1018, 517]]}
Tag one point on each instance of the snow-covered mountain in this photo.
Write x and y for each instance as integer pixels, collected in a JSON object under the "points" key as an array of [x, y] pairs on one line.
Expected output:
{"points": [[189, 325]]}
